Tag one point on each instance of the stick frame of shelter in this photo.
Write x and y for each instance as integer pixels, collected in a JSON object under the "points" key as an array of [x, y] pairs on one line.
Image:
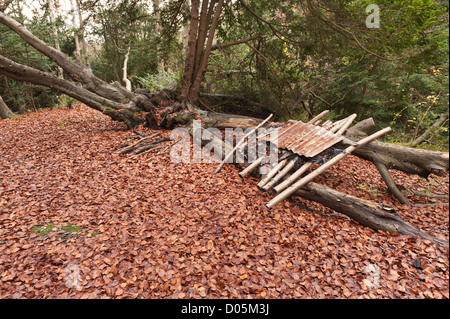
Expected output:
{"points": [[339, 126]]}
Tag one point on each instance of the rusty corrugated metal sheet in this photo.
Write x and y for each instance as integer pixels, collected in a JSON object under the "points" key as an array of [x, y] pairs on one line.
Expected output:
{"points": [[307, 139]]}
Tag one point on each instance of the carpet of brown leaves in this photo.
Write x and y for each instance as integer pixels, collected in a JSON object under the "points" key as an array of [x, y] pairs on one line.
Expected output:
{"points": [[147, 228]]}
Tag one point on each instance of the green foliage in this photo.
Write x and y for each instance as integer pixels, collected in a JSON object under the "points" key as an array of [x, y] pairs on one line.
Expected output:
{"points": [[322, 56], [123, 24], [22, 97]]}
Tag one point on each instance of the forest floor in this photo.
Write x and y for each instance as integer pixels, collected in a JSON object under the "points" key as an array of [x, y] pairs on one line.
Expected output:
{"points": [[78, 220]]}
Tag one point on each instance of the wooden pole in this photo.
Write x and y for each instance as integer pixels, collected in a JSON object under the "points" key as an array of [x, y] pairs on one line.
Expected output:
{"points": [[252, 167], [293, 177], [280, 175], [327, 124], [240, 143], [305, 180], [346, 124]]}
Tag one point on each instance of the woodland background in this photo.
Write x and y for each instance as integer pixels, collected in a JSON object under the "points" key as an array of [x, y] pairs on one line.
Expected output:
{"points": [[295, 64], [79, 218]]}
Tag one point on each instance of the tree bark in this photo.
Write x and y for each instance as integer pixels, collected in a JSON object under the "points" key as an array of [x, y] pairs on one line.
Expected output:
{"points": [[210, 119], [389, 181], [126, 82], [204, 56], [197, 55], [52, 15], [77, 51], [158, 30], [190, 52], [406, 159], [109, 107], [366, 213], [5, 112], [308, 178]]}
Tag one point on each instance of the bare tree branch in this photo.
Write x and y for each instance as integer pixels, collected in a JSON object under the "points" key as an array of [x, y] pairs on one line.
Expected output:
{"points": [[229, 44]]}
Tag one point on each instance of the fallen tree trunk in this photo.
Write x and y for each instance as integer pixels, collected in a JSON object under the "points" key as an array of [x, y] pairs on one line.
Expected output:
{"points": [[209, 119], [366, 213], [5, 112], [409, 160], [387, 156]]}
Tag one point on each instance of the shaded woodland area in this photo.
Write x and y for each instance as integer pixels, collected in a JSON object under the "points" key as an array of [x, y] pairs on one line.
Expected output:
{"points": [[142, 69]]}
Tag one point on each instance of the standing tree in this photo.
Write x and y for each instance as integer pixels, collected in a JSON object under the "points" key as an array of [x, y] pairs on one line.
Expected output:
{"points": [[200, 40]]}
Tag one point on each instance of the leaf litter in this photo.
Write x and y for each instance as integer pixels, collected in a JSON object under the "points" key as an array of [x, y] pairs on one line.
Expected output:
{"points": [[149, 228]]}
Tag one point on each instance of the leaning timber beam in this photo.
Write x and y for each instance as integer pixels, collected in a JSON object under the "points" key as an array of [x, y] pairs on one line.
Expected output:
{"points": [[241, 142]]}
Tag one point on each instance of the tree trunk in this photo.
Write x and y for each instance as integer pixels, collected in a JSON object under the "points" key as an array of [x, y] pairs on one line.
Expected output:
{"points": [[126, 83], [5, 112], [158, 30], [109, 107], [210, 119], [77, 72], [197, 54], [77, 52], [111, 99], [190, 51]]}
